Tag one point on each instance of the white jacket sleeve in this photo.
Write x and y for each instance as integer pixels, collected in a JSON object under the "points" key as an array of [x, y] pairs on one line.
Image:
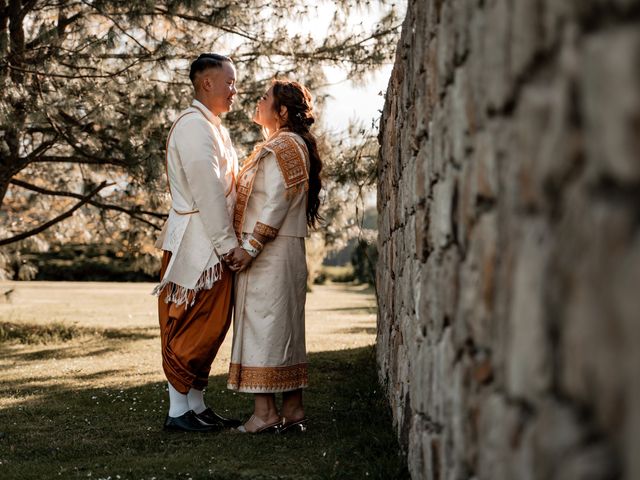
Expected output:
{"points": [[277, 203], [200, 162]]}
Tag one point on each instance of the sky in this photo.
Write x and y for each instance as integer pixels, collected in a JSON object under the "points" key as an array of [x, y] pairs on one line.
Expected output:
{"points": [[347, 101], [363, 102]]}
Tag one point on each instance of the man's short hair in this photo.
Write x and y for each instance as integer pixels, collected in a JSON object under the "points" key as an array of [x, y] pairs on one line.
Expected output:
{"points": [[205, 61]]}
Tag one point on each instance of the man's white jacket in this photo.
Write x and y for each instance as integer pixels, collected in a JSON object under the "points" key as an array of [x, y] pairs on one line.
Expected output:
{"points": [[201, 170]]}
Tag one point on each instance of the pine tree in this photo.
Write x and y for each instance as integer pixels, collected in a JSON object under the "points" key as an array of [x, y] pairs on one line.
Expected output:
{"points": [[89, 89]]}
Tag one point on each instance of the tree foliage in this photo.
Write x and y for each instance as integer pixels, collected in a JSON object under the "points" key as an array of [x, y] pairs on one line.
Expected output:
{"points": [[89, 89]]}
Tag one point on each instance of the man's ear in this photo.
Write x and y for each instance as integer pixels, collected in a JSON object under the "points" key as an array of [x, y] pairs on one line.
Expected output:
{"points": [[206, 83]]}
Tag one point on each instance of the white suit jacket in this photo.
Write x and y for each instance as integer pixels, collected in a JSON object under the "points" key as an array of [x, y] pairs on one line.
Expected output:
{"points": [[201, 169]]}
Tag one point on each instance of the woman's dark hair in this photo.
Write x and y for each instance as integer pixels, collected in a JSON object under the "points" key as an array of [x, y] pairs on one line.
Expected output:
{"points": [[299, 119], [205, 61]]}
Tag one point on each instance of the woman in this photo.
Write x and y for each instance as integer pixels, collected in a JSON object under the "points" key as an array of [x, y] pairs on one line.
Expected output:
{"points": [[277, 199]]}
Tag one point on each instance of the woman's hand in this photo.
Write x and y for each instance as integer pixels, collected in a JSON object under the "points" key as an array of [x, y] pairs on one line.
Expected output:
{"points": [[238, 259]]}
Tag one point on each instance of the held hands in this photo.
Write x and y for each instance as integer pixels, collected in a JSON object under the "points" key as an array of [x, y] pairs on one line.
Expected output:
{"points": [[238, 259]]}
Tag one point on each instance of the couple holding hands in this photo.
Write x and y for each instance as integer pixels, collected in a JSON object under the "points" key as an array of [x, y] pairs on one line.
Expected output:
{"points": [[247, 223]]}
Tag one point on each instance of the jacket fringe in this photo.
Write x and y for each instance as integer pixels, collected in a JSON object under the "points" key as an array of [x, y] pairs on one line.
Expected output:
{"points": [[182, 295]]}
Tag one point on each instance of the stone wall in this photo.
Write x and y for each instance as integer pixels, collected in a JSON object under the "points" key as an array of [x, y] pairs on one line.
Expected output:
{"points": [[509, 221]]}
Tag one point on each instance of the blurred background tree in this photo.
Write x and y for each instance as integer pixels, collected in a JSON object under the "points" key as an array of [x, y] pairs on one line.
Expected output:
{"points": [[90, 88]]}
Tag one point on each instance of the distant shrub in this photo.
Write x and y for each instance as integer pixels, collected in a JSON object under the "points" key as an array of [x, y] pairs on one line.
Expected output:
{"points": [[364, 259], [87, 263], [338, 274]]}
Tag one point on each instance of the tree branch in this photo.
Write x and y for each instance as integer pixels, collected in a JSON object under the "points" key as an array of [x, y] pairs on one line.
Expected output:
{"points": [[75, 77], [58, 29], [59, 218], [133, 213], [75, 159], [117, 25], [193, 18]]}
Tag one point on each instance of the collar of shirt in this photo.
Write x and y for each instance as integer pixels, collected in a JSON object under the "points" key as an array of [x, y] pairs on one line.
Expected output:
{"points": [[207, 113]]}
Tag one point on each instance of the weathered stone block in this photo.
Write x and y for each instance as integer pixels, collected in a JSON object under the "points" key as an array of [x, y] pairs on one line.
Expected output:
{"points": [[439, 406], [529, 361], [440, 222], [463, 121], [497, 422], [497, 44], [446, 46], [476, 61], [612, 121], [485, 169], [592, 462], [558, 433], [477, 285], [601, 317], [526, 33], [462, 14]]}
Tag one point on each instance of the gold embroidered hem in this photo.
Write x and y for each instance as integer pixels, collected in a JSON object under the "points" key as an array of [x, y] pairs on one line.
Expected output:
{"points": [[268, 354], [265, 230], [267, 379]]}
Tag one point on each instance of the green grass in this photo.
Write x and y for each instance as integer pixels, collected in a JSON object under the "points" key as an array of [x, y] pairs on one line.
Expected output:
{"points": [[58, 432]]}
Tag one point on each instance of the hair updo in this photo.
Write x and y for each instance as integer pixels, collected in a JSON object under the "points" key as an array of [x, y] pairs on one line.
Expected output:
{"points": [[297, 99], [299, 104]]}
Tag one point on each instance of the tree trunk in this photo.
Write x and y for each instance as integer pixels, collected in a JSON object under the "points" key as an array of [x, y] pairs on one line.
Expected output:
{"points": [[4, 186], [16, 39], [4, 35], [10, 152]]}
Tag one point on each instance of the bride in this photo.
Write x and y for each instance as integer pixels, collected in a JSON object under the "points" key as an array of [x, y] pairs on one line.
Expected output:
{"points": [[277, 199]]}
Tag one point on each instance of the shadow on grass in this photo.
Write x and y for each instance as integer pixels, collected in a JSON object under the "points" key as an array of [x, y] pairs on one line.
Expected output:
{"points": [[102, 433], [363, 289], [58, 352], [356, 330], [56, 339], [34, 333], [347, 309]]}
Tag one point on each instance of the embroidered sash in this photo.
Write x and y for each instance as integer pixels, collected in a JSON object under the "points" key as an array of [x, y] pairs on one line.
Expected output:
{"points": [[291, 160]]}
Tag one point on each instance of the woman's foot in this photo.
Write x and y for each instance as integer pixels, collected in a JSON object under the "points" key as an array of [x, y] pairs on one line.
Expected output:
{"points": [[258, 425], [294, 425], [292, 408], [293, 414]]}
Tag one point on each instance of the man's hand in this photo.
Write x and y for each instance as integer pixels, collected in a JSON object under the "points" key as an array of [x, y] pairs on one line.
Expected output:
{"points": [[238, 259], [228, 257]]}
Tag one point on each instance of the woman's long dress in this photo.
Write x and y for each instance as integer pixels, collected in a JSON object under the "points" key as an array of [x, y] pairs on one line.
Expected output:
{"points": [[268, 353]]}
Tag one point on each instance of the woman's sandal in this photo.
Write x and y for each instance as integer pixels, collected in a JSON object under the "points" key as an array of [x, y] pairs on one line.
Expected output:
{"points": [[299, 426], [262, 426]]}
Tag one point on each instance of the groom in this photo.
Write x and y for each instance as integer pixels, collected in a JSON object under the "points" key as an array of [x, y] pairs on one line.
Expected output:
{"points": [[194, 303]]}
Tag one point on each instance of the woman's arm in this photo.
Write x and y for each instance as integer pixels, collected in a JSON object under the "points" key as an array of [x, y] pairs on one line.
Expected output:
{"points": [[272, 216]]}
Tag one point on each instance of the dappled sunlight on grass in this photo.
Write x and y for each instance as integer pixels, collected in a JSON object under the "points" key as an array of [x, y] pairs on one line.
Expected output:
{"points": [[87, 397], [77, 431]]}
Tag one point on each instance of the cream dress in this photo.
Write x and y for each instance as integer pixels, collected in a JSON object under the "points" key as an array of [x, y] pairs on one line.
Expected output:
{"points": [[269, 353]]}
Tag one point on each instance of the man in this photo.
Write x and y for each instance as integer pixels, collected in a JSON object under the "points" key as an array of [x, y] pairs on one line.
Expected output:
{"points": [[194, 303]]}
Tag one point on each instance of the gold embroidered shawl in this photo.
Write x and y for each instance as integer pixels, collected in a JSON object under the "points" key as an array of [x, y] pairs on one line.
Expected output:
{"points": [[291, 160]]}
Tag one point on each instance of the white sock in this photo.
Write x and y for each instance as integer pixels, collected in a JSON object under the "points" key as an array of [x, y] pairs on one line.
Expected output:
{"points": [[178, 403], [196, 400]]}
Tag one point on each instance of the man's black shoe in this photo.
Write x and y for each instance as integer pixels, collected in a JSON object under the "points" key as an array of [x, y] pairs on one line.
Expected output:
{"points": [[209, 417], [188, 422]]}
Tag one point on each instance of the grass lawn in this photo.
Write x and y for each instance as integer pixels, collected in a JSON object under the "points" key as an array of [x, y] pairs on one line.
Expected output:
{"points": [[82, 393]]}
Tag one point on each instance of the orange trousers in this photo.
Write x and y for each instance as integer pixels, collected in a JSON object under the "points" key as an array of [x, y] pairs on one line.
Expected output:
{"points": [[191, 335]]}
